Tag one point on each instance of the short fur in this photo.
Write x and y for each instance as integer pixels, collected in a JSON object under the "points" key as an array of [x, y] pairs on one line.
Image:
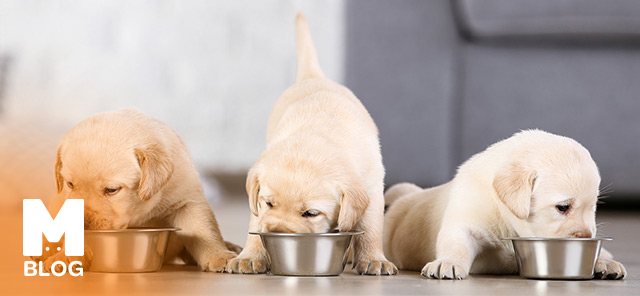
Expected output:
{"points": [[512, 189], [322, 168], [148, 166]]}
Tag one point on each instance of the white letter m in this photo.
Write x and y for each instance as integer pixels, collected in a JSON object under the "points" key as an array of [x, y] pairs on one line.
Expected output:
{"points": [[37, 221]]}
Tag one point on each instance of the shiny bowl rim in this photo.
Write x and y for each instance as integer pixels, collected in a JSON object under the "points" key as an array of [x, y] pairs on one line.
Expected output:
{"points": [[558, 239], [133, 230], [322, 234]]}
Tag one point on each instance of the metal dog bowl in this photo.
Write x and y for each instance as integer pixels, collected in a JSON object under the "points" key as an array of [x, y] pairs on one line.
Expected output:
{"points": [[557, 258], [126, 250], [307, 254]]}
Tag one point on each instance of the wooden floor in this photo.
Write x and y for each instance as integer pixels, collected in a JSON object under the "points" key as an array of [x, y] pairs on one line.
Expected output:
{"points": [[187, 280]]}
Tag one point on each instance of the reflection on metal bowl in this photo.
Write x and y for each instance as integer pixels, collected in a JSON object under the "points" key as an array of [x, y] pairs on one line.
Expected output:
{"points": [[126, 250], [557, 258], [307, 254]]}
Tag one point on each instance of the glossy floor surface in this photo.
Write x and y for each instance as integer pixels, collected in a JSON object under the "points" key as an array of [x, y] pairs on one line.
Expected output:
{"points": [[187, 280]]}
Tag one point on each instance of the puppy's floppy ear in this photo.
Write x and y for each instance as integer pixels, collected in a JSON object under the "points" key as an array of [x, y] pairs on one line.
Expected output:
{"points": [[58, 167], [352, 206], [253, 188], [156, 167], [514, 185]]}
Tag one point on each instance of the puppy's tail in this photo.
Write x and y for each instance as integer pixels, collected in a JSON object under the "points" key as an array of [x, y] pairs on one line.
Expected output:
{"points": [[308, 66], [397, 191]]}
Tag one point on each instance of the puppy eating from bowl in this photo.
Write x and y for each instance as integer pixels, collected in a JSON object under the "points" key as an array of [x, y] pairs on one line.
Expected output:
{"points": [[533, 184], [321, 169], [135, 171]]}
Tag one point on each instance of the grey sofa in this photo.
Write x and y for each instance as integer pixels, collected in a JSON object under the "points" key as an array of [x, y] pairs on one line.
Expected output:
{"points": [[445, 79]]}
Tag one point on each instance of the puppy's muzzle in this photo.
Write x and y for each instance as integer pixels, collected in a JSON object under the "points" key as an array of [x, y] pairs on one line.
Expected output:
{"points": [[281, 228], [585, 233]]}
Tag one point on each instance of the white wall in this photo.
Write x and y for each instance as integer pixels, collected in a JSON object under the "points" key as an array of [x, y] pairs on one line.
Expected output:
{"points": [[210, 69]]}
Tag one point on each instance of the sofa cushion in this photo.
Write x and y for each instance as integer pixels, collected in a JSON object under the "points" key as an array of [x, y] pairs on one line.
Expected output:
{"points": [[590, 19], [588, 94]]}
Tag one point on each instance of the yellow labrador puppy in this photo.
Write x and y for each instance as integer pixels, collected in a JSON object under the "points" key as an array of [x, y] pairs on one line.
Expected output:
{"points": [[532, 184], [321, 169], [133, 170]]}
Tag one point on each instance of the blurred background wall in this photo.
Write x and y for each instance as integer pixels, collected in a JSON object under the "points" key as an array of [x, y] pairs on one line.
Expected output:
{"points": [[210, 69], [445, 79]]}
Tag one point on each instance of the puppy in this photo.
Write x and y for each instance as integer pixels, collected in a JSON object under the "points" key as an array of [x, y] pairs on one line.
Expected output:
{"points": [[321, 169], [532, 184], [133, 170]]}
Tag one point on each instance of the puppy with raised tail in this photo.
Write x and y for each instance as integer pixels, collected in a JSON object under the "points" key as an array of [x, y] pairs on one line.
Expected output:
{"points": [[132, 171], [532, 184], [321, 169]]}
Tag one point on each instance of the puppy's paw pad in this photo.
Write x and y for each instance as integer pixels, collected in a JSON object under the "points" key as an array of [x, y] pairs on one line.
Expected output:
{"points": [[247, 265], [376, 267], [445, 270], [608, 269], [217, 262]]}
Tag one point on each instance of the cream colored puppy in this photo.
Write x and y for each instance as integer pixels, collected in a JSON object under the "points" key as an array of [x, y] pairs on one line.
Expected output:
{"points": [[133, 170], [532, 184], [321, 169]]}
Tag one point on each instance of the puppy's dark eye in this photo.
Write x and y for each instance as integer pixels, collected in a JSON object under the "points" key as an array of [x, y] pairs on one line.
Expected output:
{"points": [[563, 208], [310, 213], [70, 185], [111, 190], [269, 204]]}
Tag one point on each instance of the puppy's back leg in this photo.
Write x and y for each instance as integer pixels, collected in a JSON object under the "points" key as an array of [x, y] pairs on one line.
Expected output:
{"points": [[399, 190]]}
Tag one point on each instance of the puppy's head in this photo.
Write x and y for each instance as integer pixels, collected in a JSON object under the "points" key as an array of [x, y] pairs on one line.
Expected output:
{"points": [[553, 187], [116, 178], [302, 197]]}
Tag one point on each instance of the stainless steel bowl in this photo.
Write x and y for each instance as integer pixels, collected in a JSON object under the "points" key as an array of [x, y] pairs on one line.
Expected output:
{"points": [[126, 250], [557, 258], [307, 254]]}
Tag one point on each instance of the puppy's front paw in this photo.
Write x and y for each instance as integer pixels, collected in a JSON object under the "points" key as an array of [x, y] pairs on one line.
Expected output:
{"points": [[443, 269], [248, 264], [57, 257], [217, 261], [60, 256], [608, 269], [375, 267]]}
